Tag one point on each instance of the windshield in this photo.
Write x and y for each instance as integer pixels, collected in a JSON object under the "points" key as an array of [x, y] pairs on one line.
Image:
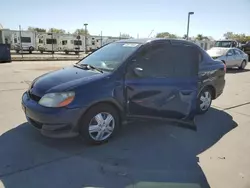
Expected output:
{"points": [[110, 56], [224, 44]]}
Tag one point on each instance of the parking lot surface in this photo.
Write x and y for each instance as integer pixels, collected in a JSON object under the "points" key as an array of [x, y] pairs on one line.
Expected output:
{"points": [[144, 154]]}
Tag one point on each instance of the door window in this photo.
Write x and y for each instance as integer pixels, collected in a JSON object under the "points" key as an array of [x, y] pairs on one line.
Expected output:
{"points": [[230, 52], [166, 60], [237, 52]]}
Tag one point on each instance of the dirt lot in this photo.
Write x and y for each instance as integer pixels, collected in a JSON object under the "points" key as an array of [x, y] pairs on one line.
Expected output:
{"points": [[143, 155]]}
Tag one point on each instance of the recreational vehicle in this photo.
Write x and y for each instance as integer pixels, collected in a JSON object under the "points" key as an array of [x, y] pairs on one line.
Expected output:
{"points": [[71, 43], [23, 40], [47, 42]]}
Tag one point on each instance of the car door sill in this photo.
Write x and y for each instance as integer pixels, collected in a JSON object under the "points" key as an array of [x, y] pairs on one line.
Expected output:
{"points": [[177, 122]]}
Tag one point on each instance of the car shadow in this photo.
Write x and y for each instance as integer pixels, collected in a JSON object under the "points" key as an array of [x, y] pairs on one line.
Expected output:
{"points": [[237, 71], [144, 153]]}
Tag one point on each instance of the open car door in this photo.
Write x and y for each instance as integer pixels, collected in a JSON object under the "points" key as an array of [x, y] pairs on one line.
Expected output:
{"points": [[162, 82]]}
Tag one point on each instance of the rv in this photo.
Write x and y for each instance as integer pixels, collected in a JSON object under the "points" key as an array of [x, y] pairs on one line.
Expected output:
{"points": [[71, 43], [47, 42], [5, 36], [23, 40]]}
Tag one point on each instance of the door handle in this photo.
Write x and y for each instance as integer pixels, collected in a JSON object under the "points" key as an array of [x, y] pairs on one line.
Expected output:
{"points": [[186, 92]]}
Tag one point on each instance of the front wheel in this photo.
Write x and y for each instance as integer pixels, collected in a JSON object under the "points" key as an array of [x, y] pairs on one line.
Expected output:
{"points": [[99, 124], [204, 101]]}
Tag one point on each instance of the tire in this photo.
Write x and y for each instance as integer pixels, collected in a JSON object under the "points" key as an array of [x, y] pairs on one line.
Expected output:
{"points": [[66, 52], [243, 65], [76, 53], [17, 51], [103, 111], [41, 52], [204, 100], [30, 52]]}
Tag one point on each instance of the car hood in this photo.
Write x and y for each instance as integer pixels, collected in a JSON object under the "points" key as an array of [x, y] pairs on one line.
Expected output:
{"points": [[217, 51], [64, 79]]}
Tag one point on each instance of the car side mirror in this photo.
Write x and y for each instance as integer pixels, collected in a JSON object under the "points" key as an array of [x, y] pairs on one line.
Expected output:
{"points": [[229, 54], [138, 71]]}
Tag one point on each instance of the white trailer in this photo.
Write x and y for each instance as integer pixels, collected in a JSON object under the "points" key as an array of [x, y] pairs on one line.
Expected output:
{"points": [[23, 40], [47, 42], [5, 36], [71, 43]]}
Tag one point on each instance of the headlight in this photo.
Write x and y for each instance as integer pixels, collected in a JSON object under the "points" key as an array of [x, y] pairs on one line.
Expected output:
{"points": [[57, 99]]}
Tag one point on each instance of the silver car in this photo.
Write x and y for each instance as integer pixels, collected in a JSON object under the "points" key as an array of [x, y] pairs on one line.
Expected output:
{"points": [[232, 57]]}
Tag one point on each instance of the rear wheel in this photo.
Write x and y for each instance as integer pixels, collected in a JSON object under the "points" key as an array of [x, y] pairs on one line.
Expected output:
{"points": [[99, 124], [243, 65], [204, 100]]}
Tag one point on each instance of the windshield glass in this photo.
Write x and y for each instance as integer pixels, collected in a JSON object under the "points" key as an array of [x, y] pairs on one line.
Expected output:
{"points": [[110, 56], [225, 44]]}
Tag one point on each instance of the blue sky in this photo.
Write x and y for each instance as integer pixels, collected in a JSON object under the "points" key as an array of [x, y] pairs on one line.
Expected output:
{"points": [[211, 18]]}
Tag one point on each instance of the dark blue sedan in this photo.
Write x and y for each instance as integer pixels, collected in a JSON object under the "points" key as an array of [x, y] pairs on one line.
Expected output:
{"points": [[161, 79]]}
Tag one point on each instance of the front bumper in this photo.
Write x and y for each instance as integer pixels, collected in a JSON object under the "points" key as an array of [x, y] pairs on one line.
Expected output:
{"points": [[51, 122]]}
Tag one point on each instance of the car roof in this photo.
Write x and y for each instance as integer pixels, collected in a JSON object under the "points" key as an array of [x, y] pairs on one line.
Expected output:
{"points": [[148, 40]]}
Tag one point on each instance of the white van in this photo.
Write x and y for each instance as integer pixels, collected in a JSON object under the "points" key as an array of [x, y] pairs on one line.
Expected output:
{"points": [[47, 42], [71, 43]]}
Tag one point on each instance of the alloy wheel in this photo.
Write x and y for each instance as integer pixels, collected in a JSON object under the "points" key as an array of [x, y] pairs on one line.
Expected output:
{"points": [[101, 126], [205, 100]]}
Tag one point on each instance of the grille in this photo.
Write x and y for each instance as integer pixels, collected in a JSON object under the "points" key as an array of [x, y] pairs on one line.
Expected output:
{"points": [[34, 97]]}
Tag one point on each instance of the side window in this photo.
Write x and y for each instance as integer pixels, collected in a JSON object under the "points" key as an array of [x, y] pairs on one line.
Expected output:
{"points": [[40, 41], [64, 42], [238, 52], [154, 61], [186, 60], [230, 52], [165, 60]]}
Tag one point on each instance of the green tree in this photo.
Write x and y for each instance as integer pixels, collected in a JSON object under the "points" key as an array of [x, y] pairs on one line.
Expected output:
{"points": [[199, 37], [81, 32], [239, 37], [36, 29], [54, 30], [228, 35], [166, 35]]}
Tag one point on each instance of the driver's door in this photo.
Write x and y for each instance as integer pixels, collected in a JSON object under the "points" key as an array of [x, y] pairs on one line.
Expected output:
{"points": [[162, 83]]}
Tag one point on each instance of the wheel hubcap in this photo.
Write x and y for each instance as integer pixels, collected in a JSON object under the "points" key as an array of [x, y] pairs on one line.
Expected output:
{"points": [[101, 126], [205, 100]]}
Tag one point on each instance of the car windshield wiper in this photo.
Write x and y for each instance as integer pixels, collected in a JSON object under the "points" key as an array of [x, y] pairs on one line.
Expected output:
{"points": [[88, 67]]}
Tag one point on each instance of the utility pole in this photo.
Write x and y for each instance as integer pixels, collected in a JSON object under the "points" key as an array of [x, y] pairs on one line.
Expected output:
{"points": [[52, 45], [190, 13], [101, 38], [85, 25], [20, 36]]}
